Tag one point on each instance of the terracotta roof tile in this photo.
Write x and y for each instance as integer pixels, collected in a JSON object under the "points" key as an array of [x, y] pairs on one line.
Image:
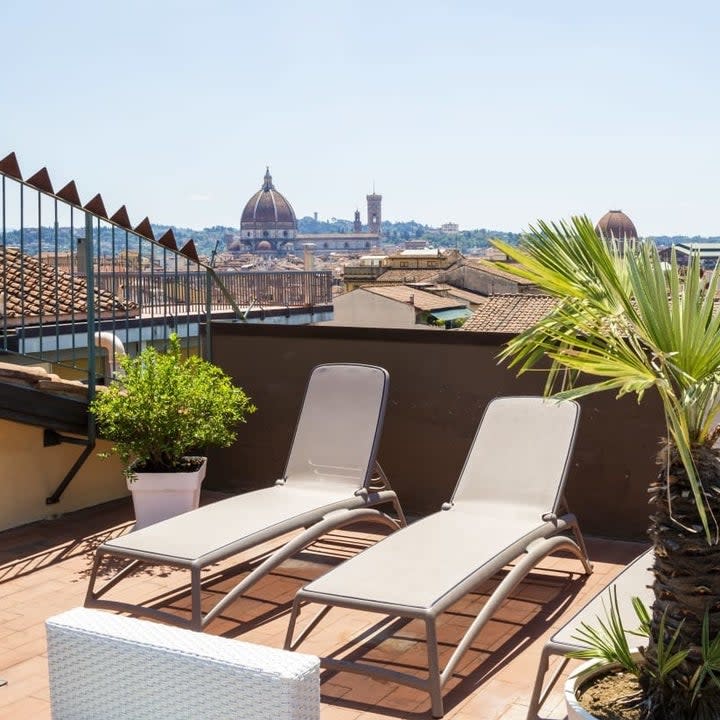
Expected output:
{"points": [[38, 378], [509, 313], [422, 300], [29, 288], [406, 276], [493, 269], [467, 295]]}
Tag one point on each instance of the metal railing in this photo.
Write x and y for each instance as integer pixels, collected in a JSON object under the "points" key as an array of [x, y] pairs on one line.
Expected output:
{"points": [[74, 278]]}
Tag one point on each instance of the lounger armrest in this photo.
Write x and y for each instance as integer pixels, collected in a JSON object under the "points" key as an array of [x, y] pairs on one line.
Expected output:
{"points": [[549, 517]]}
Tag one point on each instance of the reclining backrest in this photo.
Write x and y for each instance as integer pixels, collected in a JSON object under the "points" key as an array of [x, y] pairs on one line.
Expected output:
{"points": [[339, 427], [520, 454]]}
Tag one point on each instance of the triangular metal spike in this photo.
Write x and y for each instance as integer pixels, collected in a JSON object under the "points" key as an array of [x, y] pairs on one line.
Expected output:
{"points": [[70, 194], [189, 251], [97, 207], [167, 239], [41, 180], [122, 218], [145, 229], [9, 166]]}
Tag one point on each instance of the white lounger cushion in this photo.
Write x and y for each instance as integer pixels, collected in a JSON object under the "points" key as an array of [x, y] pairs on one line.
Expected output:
{"points": [[415, 568], [233, 521]]}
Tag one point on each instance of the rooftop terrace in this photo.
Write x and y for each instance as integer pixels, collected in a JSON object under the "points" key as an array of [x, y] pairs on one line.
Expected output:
{"points": [[438, 388], [44, 569]]}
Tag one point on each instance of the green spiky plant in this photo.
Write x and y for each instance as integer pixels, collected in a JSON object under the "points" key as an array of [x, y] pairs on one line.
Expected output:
{"points": [[625, 321], [164, 406]]}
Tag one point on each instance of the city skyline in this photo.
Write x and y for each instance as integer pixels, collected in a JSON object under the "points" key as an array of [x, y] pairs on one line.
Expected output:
{"points": [[491, 117]]}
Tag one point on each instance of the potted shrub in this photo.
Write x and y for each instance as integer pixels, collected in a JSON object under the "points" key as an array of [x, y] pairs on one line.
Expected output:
{"points": [[160, 413], [627, 322]]}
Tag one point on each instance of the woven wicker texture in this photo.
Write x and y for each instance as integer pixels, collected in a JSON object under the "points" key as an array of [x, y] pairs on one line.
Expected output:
{"points": [[114, 667]]}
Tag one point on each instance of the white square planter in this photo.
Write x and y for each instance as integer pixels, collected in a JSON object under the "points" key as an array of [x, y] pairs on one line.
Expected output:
{"points": [[159, 496]]}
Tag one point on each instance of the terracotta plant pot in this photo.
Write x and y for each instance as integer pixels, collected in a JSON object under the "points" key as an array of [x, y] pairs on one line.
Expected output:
{"points": [[159, 496]]}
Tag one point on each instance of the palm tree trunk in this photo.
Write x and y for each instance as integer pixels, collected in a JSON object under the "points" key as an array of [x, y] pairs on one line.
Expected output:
{"points": [[687, 584]]}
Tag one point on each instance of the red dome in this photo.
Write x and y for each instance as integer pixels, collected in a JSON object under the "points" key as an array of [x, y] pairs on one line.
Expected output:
{"points": [[268, 207], [616, 224]]}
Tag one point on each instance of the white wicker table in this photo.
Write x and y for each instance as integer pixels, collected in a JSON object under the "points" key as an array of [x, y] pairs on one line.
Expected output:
{"points": [[118, 668]]}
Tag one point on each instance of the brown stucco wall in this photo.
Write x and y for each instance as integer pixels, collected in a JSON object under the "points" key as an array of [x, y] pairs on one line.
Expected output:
{"points": [[439, 386]]}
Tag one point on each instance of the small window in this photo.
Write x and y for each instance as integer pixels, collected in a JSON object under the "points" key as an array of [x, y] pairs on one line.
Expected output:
{"points": [[266, 233], [284, 233]]}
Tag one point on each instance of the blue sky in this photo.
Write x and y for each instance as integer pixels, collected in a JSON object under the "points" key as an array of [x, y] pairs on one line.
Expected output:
{"points": [[489, 114]]}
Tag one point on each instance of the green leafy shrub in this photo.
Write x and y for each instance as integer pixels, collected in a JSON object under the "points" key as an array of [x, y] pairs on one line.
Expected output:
{"points": [[164, 407]]}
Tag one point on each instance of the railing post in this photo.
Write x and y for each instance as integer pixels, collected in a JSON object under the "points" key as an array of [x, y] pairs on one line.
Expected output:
{"points": [[208, 314], [90, 280], [4, 270]]}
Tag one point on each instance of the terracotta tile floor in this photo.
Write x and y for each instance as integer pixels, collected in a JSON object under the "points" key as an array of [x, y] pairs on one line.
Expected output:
{"points": [[44, 568]]}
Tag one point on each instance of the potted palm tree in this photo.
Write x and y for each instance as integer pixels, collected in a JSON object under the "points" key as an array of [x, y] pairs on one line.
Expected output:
{"points": [[625, 321], [160, 413]]}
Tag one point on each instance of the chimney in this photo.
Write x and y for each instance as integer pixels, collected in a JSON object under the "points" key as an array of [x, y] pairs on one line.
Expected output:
{"points": [[308, 257], [315, 215], [80, 256]]}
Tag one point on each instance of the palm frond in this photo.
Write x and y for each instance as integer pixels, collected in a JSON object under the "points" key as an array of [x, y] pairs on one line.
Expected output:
{"points": [[629, 320]]}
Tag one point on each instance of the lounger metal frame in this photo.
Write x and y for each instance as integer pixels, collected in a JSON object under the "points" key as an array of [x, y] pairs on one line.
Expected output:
{"points": [[633, 581], [359, 506], [524, 555], [531, 550]]}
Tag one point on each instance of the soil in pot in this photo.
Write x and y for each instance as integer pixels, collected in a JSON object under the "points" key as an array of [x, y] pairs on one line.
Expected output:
{"points": [[613, 696]]}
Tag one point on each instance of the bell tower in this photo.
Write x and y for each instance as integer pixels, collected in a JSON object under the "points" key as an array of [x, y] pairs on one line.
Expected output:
{"points": [[374, 209], [357, 224]]}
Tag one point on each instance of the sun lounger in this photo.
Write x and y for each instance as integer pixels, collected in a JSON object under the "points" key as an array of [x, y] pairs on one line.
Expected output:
{"points": [[504, 510], [634, 581], [326, 485]]}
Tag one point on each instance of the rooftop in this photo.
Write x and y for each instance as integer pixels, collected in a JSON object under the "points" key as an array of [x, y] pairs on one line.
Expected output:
{"points": [[509, 313], [408, 275], [467, 295], [30, 288], [492, 268], [422, 300], [44, 569]]}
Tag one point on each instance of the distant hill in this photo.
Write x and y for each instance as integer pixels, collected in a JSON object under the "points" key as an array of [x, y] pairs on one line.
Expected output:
{"points": [[210, 239], [678, 239], [396, 233]]}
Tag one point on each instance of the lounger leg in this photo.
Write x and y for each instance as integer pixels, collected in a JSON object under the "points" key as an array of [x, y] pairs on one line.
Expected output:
{"points": [[534, 707], [291, 625], [384, 485], [399, 512], [434, 680], [196, 594], [575, 528], [289, 645], [92, 595]]}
